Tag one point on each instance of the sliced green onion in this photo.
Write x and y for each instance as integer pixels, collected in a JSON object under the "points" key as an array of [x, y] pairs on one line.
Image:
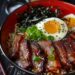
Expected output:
{"points": [[36, 58], [35, 34], [51, 50], [50, 38], [51, 57]]}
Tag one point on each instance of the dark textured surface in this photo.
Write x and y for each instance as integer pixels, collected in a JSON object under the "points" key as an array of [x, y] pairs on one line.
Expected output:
{"points": [[3, 5], [2, 14], [1, 70]]}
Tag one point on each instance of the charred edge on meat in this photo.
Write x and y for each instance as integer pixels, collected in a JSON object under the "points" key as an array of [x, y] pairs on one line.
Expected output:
{"points": [[62, 54], [44, 55], [30, 55]]}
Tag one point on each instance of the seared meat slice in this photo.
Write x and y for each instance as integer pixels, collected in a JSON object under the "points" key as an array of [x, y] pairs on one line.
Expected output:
{"points": [[35, 49], [73, 35], [45, 45], [62, 55], [39, 60], [53, 64], [73, 45], [70, 52], [15, 47], [71, 42], [25, 60]]}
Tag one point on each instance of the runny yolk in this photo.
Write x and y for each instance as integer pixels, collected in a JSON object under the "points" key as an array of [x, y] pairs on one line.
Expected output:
{"points": [[70, 22], [52, 26]]}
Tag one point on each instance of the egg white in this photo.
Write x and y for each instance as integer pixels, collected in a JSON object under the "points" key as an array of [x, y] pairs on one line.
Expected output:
{"points": [[58, 35], [70, 16]]}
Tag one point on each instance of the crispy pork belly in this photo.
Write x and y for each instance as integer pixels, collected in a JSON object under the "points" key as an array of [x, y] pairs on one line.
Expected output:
{"points": [[25, 59], [73, 45], [53, 64], [45, 45], [39, 60], [62, 55], [73, 35], [15, 48], [71, 42], [70, 51]]}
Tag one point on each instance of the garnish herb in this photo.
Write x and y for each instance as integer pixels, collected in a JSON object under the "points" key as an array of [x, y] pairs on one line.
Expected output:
{"points": [[51, 56], [35, 34], [50, 38], [36, 58]]}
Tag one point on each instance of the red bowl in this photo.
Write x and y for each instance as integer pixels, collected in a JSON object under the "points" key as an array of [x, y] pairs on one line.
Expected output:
{"points": [[10, 22]]}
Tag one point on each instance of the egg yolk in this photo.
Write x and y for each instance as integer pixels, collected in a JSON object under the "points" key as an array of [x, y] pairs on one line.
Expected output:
{"points": [[52, 26], [70, 22]]}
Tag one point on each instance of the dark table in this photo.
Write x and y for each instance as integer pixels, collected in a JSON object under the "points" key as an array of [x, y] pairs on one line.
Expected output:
{"points": [[1, 70]]}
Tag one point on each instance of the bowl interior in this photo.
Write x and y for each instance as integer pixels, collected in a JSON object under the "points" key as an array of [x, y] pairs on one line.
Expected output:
{"points": [[10, 22]]}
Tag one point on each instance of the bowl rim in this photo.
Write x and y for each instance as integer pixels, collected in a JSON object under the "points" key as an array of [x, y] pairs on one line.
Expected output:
{"points": [[1, 48]]}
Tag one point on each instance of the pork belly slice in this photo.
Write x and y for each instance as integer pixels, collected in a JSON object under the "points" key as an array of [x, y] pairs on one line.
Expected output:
{"points": [[53, 64], [21, 51], [15, 45], [25, 60], [71, 42], [70, 52], [62, 54], [39, 60], [73, 45], [73, 35]]}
